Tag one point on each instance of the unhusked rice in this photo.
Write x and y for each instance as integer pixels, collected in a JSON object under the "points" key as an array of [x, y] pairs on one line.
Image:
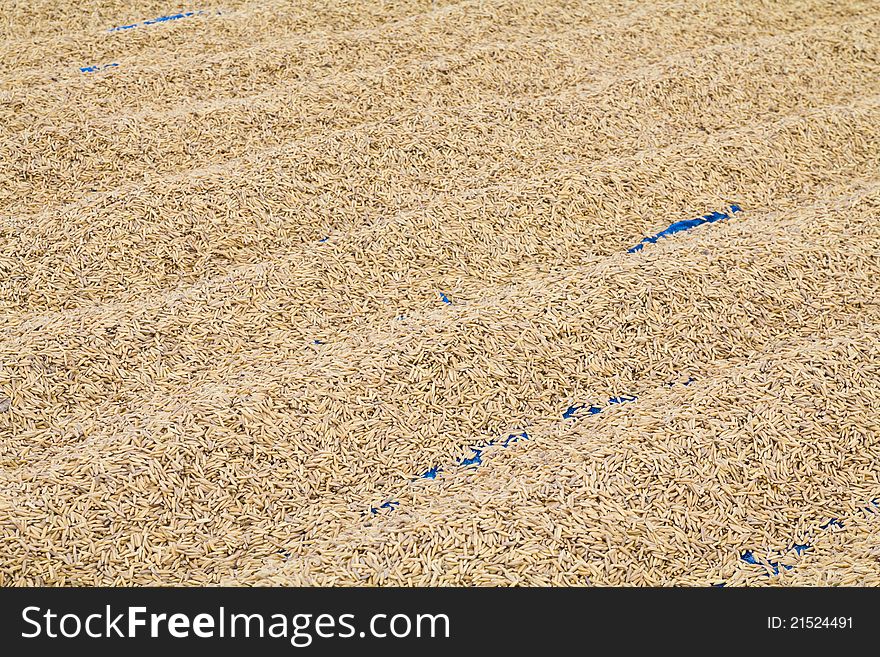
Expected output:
{"points": [[334, 293]]}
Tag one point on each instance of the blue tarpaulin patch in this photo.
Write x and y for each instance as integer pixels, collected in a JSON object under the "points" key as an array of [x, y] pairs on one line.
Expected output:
{"points": [[515, 438], [749, 557], [160, 19], [92, 69], [476, 459], [390, 505], [572, 411], [800, 548], [444, 298], [687, 224]]}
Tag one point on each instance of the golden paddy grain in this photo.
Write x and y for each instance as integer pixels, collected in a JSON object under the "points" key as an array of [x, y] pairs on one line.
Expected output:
{"points": [[284, 259]]}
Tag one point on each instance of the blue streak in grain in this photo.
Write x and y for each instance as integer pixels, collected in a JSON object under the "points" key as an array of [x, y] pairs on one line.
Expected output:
{"points": [[800, 548], [92, 69], [476, 459], [571, 412], [160, 19], [687, 224]]}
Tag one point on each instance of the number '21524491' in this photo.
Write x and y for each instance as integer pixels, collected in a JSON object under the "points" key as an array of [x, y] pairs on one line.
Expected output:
{"points": [[810, 623]]}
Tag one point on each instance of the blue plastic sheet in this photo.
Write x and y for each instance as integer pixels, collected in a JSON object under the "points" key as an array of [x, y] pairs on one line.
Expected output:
{"points": [[476, 458], [390, 505], [572, 411], [799, 548], [687, 224], [160, 19], [515, 438], [93, 69]]}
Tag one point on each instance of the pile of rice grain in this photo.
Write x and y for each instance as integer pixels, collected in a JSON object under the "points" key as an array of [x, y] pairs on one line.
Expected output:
{"points": [[225, 352]]}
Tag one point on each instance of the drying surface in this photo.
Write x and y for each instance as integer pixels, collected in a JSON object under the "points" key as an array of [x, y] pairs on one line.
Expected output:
{"points": [[483, 292]]}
